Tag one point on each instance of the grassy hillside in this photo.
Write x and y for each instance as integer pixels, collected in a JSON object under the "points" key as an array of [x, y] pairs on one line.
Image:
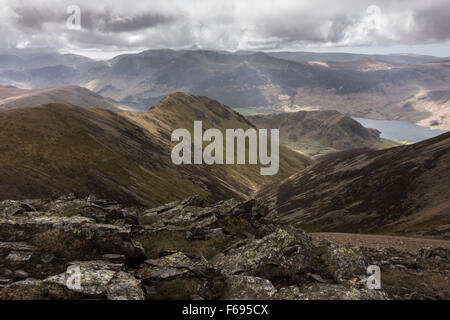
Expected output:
{"points": [[179, 110], [318, 132], [56, 149]]}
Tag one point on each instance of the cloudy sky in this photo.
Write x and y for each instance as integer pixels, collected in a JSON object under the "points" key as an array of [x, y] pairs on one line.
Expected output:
{"points": [[110, 27]]}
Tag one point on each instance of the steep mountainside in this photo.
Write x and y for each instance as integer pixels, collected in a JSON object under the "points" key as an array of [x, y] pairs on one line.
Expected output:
{"points": [[59, 148], [179, 110], [56, 149], [434, 105], [402, 190], [318, 128], [12, 98]]}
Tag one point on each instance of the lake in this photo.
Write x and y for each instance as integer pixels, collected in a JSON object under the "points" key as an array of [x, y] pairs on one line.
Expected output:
{"points": [[400, 130]]}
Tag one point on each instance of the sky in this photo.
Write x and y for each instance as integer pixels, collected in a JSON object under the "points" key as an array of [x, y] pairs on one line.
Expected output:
{"points": [[105, 28]]}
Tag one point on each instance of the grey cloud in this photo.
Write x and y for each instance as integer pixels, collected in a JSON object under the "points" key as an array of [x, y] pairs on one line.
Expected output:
{"points": [[34, 18], [433, 22], [108, 22], [308, 29]]}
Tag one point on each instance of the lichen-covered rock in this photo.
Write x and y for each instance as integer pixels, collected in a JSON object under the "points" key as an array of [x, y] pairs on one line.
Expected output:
{"points": [[82, 280], [96, 279], [102, 211], [168, 211], [285, 253], [248, 288], [321, 291], [340, 262], [89, 278], [441, 253], [290, 293], [124, 286], [73, 237], [178, 276], [20, 260], [13, 207], [190, 227], [88, 248], [173, 266], [35, 289]]}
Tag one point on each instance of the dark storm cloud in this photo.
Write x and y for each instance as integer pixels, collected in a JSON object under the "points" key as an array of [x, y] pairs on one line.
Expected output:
{"points": [[308, 29], [34, 17], [108, 22], [434, 21]]}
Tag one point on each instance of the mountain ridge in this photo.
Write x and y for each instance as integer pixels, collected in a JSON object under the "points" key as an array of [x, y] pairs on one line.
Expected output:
{"points": [[58, 148], [12, 97]]}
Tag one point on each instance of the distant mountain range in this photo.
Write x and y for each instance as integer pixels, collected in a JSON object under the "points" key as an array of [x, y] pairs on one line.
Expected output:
{"points": [[12, 98], [371, 86], [348, 57]]}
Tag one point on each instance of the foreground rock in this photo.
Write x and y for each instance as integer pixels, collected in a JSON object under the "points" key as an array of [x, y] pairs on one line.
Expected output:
{"points": [[320, 291], [73, 248], [285, 254], [248, 288], [95, 280], [178, 276]]}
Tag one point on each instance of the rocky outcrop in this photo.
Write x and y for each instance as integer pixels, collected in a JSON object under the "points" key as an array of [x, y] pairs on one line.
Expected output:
{"points": [[283, 254], [178, 276], [340, 262], [88, 248]]}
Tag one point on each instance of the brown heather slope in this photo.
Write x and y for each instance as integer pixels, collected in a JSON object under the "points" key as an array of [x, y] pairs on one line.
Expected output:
{"points": [[402, 190], [13, 98], [55, 149], [179, 110], [326, 128]]}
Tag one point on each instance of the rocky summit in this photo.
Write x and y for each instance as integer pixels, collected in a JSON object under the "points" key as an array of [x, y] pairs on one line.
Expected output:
{"points": [[87, 248]]}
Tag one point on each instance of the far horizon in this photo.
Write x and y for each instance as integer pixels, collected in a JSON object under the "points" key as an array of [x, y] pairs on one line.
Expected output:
{"points": [[107, 55]]}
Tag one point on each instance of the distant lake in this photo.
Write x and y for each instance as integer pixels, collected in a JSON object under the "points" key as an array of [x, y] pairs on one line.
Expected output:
{"points": [[400, 130]]}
